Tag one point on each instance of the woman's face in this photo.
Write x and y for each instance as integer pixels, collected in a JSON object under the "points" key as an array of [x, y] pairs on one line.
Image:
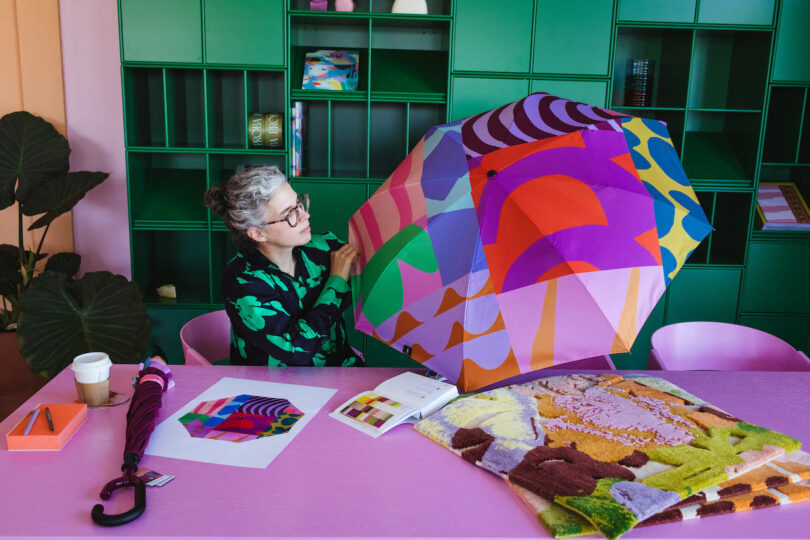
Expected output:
{"points": [[281, 234]]}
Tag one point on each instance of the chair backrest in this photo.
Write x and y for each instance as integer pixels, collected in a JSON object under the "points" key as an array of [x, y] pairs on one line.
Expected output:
{"points": [[206, 338], [722, 346]]}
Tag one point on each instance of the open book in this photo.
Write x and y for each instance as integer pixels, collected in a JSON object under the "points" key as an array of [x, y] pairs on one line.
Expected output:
{"points": [[393, 401]]}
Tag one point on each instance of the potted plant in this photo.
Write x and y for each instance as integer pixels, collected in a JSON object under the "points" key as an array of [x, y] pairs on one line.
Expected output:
{"points": [[50, 315]]}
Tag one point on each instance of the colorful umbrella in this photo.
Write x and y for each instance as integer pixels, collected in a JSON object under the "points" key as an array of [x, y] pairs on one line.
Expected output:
{"points": [[153, 379], [538, 233]]}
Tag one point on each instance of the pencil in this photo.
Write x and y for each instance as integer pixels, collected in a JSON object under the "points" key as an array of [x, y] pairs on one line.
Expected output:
{"points": [[50, 419], [31, 421]]}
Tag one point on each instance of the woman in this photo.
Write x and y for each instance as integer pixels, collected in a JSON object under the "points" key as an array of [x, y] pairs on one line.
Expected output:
{"points": [[286, 289]]}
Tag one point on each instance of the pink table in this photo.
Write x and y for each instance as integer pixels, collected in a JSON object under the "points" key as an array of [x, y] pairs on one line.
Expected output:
{"points": [[333, 481]]}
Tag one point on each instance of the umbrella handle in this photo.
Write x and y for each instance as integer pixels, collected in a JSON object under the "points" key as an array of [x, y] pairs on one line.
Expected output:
{"points": [[113, 520]]}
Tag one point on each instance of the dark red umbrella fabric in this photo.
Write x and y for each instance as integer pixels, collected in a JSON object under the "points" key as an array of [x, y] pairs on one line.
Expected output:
{"points": [[153, 379]]}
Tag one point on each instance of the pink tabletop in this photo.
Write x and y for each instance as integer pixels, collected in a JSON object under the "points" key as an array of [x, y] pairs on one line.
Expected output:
{"points": [[333, 481]]}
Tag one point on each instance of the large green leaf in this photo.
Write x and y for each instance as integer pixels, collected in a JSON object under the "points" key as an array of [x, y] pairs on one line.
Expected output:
{"points": [[61, 318], [59, 195], [10, 255], [31, 151], [10, 278], [65, 262]]}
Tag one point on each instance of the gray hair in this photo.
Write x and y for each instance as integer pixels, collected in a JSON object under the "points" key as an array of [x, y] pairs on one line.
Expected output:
{"points": [[242, 200]]}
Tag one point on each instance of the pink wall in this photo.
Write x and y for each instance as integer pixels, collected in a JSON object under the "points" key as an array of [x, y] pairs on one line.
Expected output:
{"points": [[91, 63]]}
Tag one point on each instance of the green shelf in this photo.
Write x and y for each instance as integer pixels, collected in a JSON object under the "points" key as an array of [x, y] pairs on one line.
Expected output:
{"points": [[730, 84], [711, 156]]}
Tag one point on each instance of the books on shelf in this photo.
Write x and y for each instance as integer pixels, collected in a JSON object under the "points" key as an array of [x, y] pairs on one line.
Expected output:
{"points": [[781, 206], [395, 400], [329, 69], [296, 137]]}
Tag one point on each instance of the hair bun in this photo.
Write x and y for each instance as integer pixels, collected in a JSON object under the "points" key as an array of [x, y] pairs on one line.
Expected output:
{"points": [[215, 199]]}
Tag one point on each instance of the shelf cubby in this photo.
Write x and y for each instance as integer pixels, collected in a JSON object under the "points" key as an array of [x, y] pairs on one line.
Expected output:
{"points": [[166, 190], [315, 138], [185, 108], [435, 7], [730, 222], [421, 116], [669, 48], [721, 146], [265, 92], [180, 258], [348, 135], [310, 33], [796, 174], [145, 107], [226, 108], [360, 6], [223, 249], [729, 70], [398, 69], [387, 138]]}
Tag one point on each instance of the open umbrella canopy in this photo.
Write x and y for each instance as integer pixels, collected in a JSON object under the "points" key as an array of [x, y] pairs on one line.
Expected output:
{"points": [[535, 234]]}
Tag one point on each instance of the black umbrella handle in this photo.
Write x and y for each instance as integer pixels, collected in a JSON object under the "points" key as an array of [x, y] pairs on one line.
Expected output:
{"points": [[113, 520]]}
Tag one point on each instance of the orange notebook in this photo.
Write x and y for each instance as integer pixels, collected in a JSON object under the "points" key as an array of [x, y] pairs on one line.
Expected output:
{"points": [[67, 419]]}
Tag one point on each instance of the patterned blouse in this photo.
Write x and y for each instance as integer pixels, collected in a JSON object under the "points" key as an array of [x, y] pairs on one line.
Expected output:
{"points": [[280, 320]]}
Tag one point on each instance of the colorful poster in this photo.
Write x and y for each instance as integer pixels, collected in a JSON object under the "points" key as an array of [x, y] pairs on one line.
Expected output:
{"points": [[238, 422]]}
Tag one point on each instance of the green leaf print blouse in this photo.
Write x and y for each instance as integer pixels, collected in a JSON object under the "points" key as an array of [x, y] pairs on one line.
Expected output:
{"points": [[281, 320]]}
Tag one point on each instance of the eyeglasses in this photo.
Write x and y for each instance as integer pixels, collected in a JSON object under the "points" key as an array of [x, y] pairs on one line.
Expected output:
{"points": [[293, 217]]}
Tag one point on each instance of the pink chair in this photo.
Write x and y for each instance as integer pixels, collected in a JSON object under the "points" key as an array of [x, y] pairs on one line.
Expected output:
{"points": [[206, 338], [722, 346]]}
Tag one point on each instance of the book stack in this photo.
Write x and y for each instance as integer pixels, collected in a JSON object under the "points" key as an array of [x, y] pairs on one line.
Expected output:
{"points": [[296, 137], [781, 207]]}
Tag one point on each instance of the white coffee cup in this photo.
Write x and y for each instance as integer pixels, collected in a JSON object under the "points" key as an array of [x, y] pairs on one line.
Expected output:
{"points": [[92, 374], [91, 367]]}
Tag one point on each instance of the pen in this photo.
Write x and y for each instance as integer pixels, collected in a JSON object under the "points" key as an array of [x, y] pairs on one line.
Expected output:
{"points": [[31, 421], [50, 419]]}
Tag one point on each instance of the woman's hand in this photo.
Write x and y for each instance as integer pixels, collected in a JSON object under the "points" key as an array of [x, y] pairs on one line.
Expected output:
{"points": [[341, 261]]}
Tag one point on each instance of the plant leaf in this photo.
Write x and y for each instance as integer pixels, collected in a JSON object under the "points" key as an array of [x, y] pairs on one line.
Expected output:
{"points": [[59, 195], [10, 255], [9, 279], [65, 262], [61, 318], [31, 151]]}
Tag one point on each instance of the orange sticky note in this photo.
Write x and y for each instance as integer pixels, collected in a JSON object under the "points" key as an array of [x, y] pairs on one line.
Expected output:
{"points": [[67, 418]]}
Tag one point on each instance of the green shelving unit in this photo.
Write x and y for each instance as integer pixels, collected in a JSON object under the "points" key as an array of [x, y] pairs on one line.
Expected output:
{"points": [[733, 86], [188, 94]]}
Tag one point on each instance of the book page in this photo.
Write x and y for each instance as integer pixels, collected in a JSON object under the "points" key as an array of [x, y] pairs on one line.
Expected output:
{"points": [[418, 391], [372, 413]]}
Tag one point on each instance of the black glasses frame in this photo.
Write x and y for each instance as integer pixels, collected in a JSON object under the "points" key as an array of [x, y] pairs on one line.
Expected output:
{"points": [[293, 216]]}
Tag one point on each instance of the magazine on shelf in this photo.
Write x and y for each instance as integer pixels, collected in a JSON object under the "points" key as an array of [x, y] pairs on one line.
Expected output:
{"points": [[781, 207], [394, 401], [329, 69]]}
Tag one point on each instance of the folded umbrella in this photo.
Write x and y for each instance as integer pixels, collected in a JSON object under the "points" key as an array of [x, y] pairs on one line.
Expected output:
{"points": [[153, 379]]}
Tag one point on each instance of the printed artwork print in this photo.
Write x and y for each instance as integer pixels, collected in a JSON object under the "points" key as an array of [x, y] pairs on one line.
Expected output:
{"points": [[611, 450], [241, 418], [372, 409]]}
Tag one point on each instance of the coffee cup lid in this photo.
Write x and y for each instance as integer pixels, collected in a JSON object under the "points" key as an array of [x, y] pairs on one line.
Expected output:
{"points": [[91, 361]]}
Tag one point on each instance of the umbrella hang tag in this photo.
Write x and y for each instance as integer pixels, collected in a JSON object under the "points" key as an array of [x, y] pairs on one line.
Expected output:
{"points": [[407, 350]]}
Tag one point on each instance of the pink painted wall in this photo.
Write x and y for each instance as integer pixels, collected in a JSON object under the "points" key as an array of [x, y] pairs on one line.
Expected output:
{"points": [[91, 63]]}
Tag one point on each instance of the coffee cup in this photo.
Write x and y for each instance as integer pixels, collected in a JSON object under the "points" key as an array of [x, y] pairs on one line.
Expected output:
{"points": [[92, 374]]}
